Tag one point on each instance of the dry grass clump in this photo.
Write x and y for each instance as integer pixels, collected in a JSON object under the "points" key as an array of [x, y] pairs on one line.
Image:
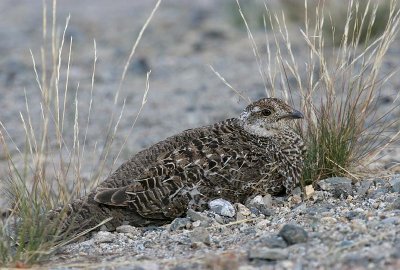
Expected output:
{"points": [[338, 87], [47, 172]]}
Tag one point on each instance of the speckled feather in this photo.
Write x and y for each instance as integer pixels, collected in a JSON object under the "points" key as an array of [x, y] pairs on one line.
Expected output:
{"points": [[233, 159]]}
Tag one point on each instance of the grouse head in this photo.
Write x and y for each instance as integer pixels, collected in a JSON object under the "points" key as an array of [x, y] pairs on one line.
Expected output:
{"points": [[268, 116]]}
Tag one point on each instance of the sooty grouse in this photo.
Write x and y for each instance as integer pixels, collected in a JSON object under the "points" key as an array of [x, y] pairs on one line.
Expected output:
{"points": [[233, 159]]}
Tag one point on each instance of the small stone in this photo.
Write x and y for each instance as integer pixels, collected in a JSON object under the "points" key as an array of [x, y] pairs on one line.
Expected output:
{"points": [[196, 216], [328, 220], [396, 204], [265, 253], [222, 207], [258, 205], [297, 191], [377, 193], [200, 235], [219, 219], [268, 200], [308, 191], [257, 200], [395, 183], [272, 241], [338, 186], [296, 199], [128, 229], [376, 205], [287, 264], [261, 210], [196, 224], [104, 237], [293, 234], [242, 212], [358, 225], [364, 187], [353, 215], [391, 220], [263, 224], [380, 182], [179, 223]]}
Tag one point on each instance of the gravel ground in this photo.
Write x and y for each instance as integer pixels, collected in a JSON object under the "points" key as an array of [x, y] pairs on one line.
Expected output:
{"points": [[343, 225]]}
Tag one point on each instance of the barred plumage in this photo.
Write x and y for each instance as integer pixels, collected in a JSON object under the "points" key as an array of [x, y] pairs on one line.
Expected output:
{"points": [[233, 159]]}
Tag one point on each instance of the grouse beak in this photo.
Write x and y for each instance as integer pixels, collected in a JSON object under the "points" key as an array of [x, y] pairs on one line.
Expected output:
{"points": [[295, 114]]}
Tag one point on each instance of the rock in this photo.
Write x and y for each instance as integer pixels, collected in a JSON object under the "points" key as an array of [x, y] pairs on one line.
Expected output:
{"points": [[309, 191], [179, 223], [263, 224], [104, 237], [242, 212], [265, 253], [350, 215], [297, 191], [358, 225], [328, 220], [196, 224], [338, 186], [273, 241], [222, 207], [396, 204], [364, 187], [257, 200], [293, 234], [139, 65], [261, 210], [128, 229], [391, 221], [295, 199], [219, 219], [379, 182], [260, 205], [200, 235], [197, 216], [377, 193], [268, 200], [395, 183]]}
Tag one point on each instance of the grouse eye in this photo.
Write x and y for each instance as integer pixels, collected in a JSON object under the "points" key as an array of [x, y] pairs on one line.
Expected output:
{"points": [[266, 112]]}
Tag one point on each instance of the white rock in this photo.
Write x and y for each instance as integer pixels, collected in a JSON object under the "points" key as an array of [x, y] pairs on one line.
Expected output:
{"points": [[222, 207], [104, 237]]}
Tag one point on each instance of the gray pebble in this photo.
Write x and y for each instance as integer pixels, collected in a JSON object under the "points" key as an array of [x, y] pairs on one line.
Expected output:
{"points": [[222, 207], [128, 229], [219, 219], [261, 205], [179, 223], [396, 204], [293, 234], [364, 187], [338, 186], [297, 191], [395, 183], [380, 182], [391, 220], [242, 212], [272, 242], [265, 253], [197, 216], [104, 237], [375, 194], [200, 235]]}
